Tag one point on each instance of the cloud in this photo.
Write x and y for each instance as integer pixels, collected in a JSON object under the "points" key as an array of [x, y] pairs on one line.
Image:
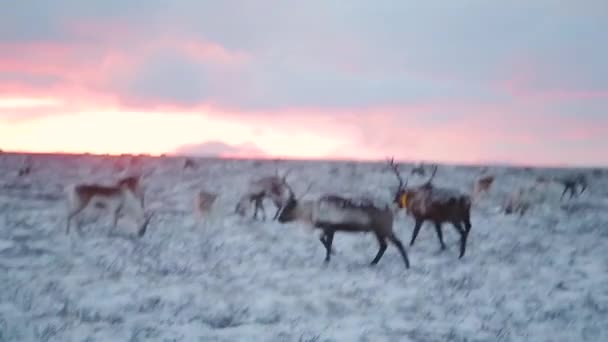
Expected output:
{"points": [[360, 55], [169, 78], [221, 149], [508, 79]]}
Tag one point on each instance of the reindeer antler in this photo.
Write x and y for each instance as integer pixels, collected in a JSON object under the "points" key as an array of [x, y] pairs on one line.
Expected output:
{"points": [[284, 178], [395, 168], [432, 174], [306, 191]]}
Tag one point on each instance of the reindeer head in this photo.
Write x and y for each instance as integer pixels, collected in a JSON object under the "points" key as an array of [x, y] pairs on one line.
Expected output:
{"points": [[403, 194], [288, 211], [130, 182]]}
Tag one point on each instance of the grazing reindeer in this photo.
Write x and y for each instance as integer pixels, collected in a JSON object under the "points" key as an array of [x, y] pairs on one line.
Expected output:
{"points": [[118, 197], [435, 204], [571, 184], [332, 213], [272, 187]]}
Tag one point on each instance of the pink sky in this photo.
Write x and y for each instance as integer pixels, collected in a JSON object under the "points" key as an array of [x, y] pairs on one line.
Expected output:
{"points": [[129, 83]]}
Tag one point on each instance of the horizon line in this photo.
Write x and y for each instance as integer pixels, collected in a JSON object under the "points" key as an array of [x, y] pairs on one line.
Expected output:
{"points": [[320, 159]]}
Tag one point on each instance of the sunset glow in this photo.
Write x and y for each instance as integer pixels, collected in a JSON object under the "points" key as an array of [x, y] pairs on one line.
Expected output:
{"points": [[27, 102], [454, 89]]}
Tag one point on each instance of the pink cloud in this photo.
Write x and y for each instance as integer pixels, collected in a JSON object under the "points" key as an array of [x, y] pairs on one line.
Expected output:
{"points": [[451, 131]]}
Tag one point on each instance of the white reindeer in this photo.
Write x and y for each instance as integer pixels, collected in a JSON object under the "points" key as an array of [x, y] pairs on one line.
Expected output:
{"points": [[333, 213]]}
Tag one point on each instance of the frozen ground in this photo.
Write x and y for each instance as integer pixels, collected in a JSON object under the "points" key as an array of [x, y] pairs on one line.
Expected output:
{"points": [[541, 278]]}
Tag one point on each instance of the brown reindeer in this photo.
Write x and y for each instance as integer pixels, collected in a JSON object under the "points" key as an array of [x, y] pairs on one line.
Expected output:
{"points": [[123, 195], [439, 205]]}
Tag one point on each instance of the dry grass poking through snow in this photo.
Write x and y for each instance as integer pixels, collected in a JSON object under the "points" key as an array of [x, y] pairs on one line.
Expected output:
{"points": [[543, 277]]}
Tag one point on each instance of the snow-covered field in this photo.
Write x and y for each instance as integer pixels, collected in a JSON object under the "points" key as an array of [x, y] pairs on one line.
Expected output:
{"points": [[543, 277]]}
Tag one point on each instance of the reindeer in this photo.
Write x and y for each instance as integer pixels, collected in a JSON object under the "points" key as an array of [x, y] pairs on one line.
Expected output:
{"points": [[418, 170], [203, 203], [519, 201], [571, 184], [272, 187], [332, 213], [439, 205], [527, 196], [125, 194], [189, 163], [482, 185], [26, 167]]}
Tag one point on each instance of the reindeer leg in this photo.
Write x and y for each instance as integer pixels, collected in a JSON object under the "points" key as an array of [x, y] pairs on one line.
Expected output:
{"points": [[255, 209], [467, 224], [416, 231], [263, 210], [329, 238], [563, 192], [323, 239], [439, 235], [573, 191], [73, 214], [463, 237], [583, 187], [69, 219], [399, 246], [115, 213], [276, 214], [381, 250]]}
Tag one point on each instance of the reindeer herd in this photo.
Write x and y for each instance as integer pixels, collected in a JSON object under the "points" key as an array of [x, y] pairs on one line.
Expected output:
{"points": [[330, 213]]}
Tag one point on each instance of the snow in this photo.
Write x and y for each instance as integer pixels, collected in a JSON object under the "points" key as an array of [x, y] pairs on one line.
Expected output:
{"points": [[542, 277]]}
